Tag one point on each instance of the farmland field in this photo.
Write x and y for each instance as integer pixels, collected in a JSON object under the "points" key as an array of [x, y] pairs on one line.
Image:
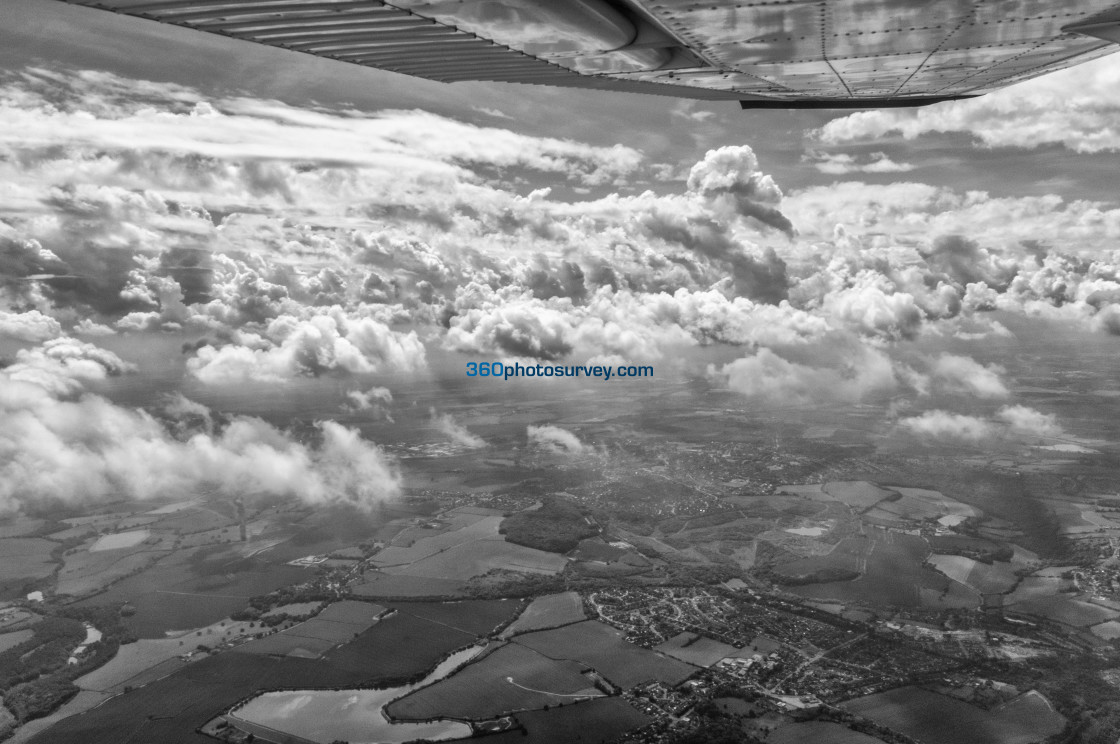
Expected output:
{"points": [[475, 558], [1109, 630], [84, 572], [19, 526], [459, 554], [604, 648], [25, 558], [13, 639], [1037, 587], [891, 573], [288, 643], [119, 540], [996, 578], [591, 722], [382, 585], [475, 616], [400, 644], [818, 732], [507, 679], [938, 719], [860, 495], [416, 546], [353, 613], [135, 659], [698, 650], [1069, 611], [170, 709], [550, 611], [184, 591]]}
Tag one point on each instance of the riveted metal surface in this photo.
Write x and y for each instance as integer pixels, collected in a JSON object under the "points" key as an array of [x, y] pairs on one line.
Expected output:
{"points": [[767, 50]]}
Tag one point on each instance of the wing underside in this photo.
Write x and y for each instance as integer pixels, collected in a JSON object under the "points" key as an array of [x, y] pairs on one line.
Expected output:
{"points": [[770, 54]]}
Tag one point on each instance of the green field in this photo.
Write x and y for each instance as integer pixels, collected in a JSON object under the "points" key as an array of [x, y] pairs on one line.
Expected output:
{"points": [[508, 679], [169, 710], [460, 548], [287, 643], [696, 649], [995, 578], [1065, 610], [590, 722], [192, 589], [604, 649], [479, 617], [891, 572], [467, 560], [937, 719], [550, 611], [818, 732], [13, 639], [23, 560], [386, 586], [860, 495]]}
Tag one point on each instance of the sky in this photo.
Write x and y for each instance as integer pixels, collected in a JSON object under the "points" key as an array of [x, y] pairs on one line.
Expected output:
{"points": [[227, 218]]}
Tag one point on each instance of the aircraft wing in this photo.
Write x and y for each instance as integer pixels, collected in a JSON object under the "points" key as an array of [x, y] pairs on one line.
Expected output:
{"points": [[765, 54]]}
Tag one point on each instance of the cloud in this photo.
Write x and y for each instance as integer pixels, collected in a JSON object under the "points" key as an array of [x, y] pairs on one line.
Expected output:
{"points": [[1014, 423], [1026, 421], [949, 426], [31, 326], [63, 365], [102, 111], [375, 402], [965, 375], [730, 177], [294, 347], [554, 439], [1075, 108], [847, 374], [840, 164], [89, 450], [456, 432]]}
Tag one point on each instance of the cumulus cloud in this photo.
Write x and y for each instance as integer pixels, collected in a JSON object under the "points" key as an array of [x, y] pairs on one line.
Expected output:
{"points": [[31, 326], [88, 449], [292, 347], [554, 439], [375, 402], [730, 177], [258, 132], [944, 425], [1029, 422], [632, 325], [1075, 108], [456, 432], [1010, 422], [63, 365], [840, 164], [966, 375], [849, 374]]}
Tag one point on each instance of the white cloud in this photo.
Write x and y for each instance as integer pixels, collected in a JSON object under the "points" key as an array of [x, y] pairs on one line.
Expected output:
{"points": [[554, 439], [293, 347], [852, 373], [1015, 423], [89, 449], [62, 365], [949, 426], [964, 374], [31, 326], [1076, 108], [456, 432], [375, 402], [840, 164]]}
